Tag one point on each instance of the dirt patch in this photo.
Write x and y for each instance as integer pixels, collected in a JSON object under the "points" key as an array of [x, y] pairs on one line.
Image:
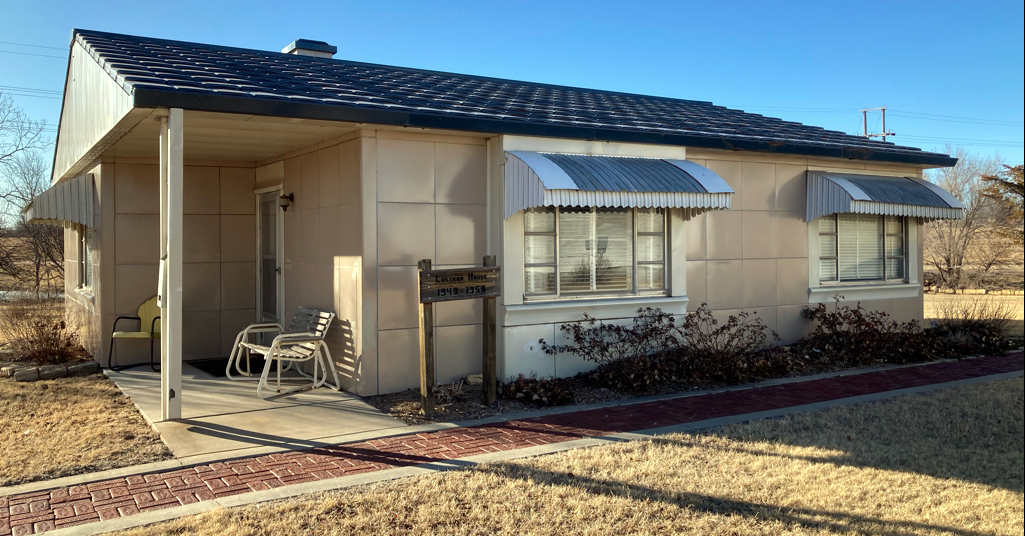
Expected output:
{"points": [[945, 463], [69, 426], [465, 402]]}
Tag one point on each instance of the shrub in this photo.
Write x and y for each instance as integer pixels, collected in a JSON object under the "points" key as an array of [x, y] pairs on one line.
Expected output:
{"points": [[653, 331], [854, 336], [726, 352], [656, 350], [537, 391], [639, 373], [975, 326], [37, 332]]}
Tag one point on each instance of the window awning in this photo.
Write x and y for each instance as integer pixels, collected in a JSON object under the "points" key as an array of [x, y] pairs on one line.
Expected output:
{"points": [[548, 179], [72, 200], [837, 193]]}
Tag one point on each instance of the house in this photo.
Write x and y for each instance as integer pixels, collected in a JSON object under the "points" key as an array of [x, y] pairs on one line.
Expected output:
{"points": [[270, 180]]}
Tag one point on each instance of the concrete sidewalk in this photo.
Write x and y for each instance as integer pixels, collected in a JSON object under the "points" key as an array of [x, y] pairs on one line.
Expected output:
{"points": [[92, 507], [223, 418]]}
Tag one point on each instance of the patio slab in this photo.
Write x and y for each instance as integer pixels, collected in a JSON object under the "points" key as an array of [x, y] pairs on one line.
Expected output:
{"points": [[220, 416]]}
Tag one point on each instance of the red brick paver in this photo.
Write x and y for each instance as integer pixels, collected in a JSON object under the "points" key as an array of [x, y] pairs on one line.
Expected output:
{"points": [[40, 511]]}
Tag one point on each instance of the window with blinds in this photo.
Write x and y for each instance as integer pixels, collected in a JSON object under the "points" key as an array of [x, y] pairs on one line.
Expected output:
{"points": [[86, 245], [588, 250], [861, 247]]}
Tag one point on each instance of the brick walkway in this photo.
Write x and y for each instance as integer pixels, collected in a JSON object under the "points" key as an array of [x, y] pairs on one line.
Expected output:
{"points": [[63, 507]]}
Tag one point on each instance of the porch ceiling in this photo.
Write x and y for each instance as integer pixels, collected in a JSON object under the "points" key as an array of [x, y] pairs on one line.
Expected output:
{"points": [[218, 136]]}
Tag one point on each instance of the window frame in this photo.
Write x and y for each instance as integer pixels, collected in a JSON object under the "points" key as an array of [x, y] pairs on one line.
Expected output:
{"points": [[558, 293], [885, 257], [86, 276]]}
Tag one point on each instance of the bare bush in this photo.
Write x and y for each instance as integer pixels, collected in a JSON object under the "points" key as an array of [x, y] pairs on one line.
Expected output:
{"points": [[976, 326], [653, 331], [37, 332]]}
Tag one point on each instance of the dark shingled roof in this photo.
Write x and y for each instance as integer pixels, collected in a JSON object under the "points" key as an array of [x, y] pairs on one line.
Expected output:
{"points": [[193, 76]]}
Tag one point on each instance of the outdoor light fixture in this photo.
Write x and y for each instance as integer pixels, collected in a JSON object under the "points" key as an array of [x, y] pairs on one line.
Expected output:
{"points": [[285, 201]]}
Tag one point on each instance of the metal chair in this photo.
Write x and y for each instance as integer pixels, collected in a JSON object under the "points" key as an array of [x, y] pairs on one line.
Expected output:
{"points": [[302, 341], [148, 316]]}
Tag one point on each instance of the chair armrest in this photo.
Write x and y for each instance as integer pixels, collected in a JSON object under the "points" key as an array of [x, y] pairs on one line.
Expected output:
{"points": [[153, 325], [124, 317], [262, 328], [296, 338]]}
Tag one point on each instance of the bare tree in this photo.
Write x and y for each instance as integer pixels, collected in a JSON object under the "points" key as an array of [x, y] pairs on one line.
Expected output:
{"points": [[1008, 190], [960, 250], [31, 256], [18, 133]]}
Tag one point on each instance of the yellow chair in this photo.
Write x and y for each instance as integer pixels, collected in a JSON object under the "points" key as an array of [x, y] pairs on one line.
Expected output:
{"points": [[149, 321]]}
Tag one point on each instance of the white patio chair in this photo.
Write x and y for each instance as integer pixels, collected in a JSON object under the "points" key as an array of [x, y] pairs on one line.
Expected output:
{"points": [[303, 341]]}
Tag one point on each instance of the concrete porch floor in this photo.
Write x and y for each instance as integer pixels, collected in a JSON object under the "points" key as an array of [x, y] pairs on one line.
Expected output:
{"points": [[223, 418]]}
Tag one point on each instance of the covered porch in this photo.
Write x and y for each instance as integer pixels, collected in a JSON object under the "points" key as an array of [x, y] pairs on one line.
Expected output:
{"points": [[222, 418], [198, 209]]}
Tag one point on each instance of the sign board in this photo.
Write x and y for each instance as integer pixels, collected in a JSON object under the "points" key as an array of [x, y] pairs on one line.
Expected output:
{"points": [[459, 284]]}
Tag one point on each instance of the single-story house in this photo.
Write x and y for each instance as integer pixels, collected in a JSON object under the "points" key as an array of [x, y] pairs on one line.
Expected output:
{"points": [[269, 180]]}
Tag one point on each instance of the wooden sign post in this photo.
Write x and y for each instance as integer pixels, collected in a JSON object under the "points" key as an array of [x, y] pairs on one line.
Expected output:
{"points": [[450, 285], [426, 347]]}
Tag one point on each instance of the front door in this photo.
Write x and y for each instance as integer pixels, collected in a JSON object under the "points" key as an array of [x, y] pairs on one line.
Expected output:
{"points": [[269, 262]]}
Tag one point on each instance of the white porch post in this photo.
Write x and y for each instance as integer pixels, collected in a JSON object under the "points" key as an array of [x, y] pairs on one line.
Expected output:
{"points": [[171, 197]]}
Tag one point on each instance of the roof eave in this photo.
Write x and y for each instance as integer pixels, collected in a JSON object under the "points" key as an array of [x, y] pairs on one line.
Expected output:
{"points": [[147, 97]]}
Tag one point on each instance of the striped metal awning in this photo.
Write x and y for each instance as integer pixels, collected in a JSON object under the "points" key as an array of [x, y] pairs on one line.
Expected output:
{"points": [[549, 179], [69, 201], [838, 193]]}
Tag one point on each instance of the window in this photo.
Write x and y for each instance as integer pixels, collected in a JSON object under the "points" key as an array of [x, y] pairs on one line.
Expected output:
{"points": [[86, 239], [571, 251], [861, 247]]}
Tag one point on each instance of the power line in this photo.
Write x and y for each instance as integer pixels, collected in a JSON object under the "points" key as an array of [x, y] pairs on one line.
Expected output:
{"points": [[940, 138], [28, 45], [956, 119], [32, 95], [32, 89], [30, 54], [912, 139]]}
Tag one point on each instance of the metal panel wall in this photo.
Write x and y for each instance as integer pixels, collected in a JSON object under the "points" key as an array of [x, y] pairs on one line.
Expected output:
{"points": [[93, 105]]}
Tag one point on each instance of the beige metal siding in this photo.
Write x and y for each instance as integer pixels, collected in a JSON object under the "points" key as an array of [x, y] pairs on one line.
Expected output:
{"points": [[93, 105]]}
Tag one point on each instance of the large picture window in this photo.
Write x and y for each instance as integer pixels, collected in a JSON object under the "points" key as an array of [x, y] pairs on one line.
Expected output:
{"points": [[572, 251], [861, 247]]}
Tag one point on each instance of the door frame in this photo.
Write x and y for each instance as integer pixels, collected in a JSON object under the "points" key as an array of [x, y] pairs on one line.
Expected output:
{"points": [[279, 245]]}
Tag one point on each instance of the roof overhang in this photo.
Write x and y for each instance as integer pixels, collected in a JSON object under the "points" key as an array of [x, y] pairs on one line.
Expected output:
{"points": [[150, 97], [548, 179], [837, 193], [69, 201]]}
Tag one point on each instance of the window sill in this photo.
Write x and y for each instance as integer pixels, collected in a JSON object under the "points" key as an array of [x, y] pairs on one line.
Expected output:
{"points": [[861, 292], [573, 309], [86, 293]]}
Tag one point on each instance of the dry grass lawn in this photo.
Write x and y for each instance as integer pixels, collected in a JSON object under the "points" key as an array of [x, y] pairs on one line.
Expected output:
{"points": [[935, 304], [946, 463], [69, 426]]}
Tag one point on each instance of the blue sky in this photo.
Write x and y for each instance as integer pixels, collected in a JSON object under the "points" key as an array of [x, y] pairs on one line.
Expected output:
{"points": [[949, 72]]}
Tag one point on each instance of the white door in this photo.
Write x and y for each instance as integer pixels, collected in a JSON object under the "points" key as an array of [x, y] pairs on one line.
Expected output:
{"points": [[270, 278]]}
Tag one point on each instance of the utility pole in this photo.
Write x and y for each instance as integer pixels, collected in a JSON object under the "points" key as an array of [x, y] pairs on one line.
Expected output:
{"points": [[864, 124]]}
